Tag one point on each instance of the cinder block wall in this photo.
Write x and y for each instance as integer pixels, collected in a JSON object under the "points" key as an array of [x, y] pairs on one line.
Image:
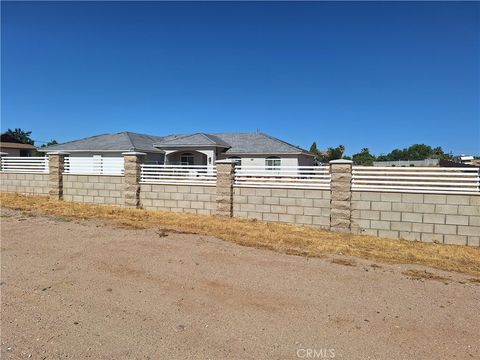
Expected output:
{"points": [[95, 189], [197, 199], [442, 218], [21, 183], [305, 207], [447, 219]]}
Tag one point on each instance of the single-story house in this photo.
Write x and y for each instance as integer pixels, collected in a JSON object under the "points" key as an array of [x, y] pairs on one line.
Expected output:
{"points": [[255, 149], [13, 147]]}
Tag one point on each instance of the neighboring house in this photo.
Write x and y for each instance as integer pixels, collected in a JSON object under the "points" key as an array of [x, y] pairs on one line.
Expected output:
{"points": [[257, 149], [14, 147]]}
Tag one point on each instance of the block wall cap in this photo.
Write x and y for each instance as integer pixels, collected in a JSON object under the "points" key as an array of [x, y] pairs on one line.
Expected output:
{"points": [[341, 161], [58, 153], [131, 153]]}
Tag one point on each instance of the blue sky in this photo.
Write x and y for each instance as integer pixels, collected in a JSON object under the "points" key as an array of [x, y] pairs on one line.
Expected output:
{"points": [[378, 75]]}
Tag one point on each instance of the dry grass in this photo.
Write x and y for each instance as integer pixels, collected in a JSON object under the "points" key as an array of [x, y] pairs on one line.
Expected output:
{"points": [[284, 238]]}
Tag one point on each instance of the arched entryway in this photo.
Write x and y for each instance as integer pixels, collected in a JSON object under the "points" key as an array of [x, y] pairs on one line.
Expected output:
{"points": [[186, 157]]}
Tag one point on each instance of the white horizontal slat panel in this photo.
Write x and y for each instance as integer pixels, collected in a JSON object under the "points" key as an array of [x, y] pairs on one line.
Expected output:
{"points": [[427, 180], [24, 164], [178, 174], [94, 166], [296, 177]]}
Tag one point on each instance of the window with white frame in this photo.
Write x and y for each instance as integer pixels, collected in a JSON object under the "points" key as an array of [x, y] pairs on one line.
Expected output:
{"points": [[273, 163]]}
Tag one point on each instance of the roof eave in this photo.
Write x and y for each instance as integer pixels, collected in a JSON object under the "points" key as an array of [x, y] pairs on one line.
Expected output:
{"points": [[10, 145], [97, 151], [271, 153]]}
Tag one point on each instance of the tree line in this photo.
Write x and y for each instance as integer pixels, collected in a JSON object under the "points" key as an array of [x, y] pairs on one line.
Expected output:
{"points": [[25, 137], [365, 157]]}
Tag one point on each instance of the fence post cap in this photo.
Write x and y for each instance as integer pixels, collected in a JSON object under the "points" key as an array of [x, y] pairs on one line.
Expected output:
{"points": [[134, 153], [226, 161], [58, 153], [341, 161]]}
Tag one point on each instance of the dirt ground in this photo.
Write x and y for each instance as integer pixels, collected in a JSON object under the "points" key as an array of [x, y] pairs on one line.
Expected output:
{"points": [[89, 289]]}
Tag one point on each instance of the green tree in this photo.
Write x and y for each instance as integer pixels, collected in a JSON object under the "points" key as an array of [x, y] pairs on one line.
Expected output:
{"points": [[419, 152], [50, 143], [332, 154], [415, 152], [314, 149], [363, 158], [20, 135]]}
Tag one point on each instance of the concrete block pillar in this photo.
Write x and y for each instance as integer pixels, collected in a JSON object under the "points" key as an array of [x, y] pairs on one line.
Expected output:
{"points": [[133, 161], [225, 180], [341, 195], [56, 166]]}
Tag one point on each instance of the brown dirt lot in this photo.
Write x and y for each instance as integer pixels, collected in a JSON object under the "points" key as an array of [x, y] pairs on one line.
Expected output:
{"points": [[92, 289]]}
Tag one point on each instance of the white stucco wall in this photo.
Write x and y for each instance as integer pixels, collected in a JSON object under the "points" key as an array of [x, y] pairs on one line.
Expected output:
{"points": [[286, 160], [199, 157]]}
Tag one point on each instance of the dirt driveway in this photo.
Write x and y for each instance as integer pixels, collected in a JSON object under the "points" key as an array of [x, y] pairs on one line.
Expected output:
{"points": [[86, 289]]}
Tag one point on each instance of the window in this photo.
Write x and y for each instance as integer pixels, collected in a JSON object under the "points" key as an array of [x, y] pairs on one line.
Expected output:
{"points": [[273, 163], [186, 159]]}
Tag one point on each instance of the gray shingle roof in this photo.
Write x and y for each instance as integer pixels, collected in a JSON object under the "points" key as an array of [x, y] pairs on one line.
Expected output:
{"points": [[123, 141], [234, 143], [199, 139], [257, 143]]}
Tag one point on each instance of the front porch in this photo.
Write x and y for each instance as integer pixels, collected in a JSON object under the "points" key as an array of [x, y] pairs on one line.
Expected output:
{"points": [[190, 157]]}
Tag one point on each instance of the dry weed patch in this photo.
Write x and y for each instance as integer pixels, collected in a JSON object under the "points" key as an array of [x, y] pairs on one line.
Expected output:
{"points": [[422, 275], [291, 239], [346, 262]]}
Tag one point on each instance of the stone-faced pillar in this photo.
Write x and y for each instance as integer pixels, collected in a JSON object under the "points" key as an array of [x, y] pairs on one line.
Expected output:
{"points": [[341, 195], [131, 192], [56, 166], [225, 180]]}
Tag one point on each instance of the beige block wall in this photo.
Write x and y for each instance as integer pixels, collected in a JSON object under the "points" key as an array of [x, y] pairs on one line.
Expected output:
{"points": [[296, 206], [24, 183], [94, 189], [441, 218], [197, 199]]}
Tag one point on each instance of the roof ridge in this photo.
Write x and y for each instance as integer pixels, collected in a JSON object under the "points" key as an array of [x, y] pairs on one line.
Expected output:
{"points": [[206, 135], [235, 132], [129, 139], [282, 141]]}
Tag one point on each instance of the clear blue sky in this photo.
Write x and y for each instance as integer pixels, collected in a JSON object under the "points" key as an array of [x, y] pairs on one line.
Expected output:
{"points": [[377, 75]]}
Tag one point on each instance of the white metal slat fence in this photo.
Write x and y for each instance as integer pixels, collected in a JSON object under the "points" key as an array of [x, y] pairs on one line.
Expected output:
{"points": [[178, 174], [441, 180], [94, 165], [24, 164], [295, 177]]}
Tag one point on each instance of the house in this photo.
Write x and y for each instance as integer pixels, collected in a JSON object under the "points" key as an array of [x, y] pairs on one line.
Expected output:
{"points": [[254, 149], [13, 147]]}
